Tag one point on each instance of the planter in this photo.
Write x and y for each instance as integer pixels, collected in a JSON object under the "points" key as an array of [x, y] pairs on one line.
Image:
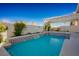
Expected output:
{"points": [[3, 37]]}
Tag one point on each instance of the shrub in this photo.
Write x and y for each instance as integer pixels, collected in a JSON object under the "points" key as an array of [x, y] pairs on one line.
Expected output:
{"points": [[18, 27]]}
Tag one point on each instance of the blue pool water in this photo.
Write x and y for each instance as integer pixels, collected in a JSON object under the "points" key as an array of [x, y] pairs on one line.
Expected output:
{"points": [[45, 45]]}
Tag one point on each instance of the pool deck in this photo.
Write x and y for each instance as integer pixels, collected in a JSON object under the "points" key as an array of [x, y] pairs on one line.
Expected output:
{"points": [[3, 52], [71, 47]]}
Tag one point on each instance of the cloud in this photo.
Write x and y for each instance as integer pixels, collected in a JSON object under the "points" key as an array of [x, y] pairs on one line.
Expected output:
{"points": [[6, 21]]}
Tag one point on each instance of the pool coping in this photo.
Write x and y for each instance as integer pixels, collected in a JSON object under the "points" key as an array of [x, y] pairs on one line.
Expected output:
{"points": [[70, 47], [29, 37], [3, 52]]}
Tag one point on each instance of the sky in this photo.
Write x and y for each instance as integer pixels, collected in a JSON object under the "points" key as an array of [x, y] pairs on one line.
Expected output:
{"points": [[34, 12]]}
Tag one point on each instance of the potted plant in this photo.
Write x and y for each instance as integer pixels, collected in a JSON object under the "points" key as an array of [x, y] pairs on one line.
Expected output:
{"points": [[3, 32]]}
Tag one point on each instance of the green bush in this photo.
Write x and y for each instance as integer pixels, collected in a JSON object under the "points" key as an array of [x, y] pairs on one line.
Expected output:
{"points": [[18, 27]]}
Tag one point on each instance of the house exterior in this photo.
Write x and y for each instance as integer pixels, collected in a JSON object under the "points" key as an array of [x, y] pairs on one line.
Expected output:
{"points": [[70, 21]]}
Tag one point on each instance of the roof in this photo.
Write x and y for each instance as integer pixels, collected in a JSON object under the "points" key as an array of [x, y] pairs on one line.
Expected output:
{"points": [[64, 18]]}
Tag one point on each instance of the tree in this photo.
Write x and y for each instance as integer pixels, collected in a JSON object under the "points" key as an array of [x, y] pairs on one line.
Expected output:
{"points": [[18, 27]]}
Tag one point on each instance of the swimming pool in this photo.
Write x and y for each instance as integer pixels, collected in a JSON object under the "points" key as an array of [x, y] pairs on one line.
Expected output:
{"points": [[44, 45]]}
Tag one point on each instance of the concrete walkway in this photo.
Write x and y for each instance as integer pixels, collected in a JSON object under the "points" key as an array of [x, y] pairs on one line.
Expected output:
{"points": [[3, 52], [71, 47]]}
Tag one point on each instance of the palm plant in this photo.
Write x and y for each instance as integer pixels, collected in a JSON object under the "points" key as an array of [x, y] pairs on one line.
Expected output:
{"points": [[47, 27], [18, 27]]}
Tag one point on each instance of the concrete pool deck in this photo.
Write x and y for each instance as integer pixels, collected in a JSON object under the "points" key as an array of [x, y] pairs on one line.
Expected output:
{"points": [[3, 52], [71, 47]]}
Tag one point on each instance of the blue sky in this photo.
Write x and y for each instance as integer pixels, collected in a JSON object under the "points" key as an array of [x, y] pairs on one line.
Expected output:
{"points": [[34, 12]]}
